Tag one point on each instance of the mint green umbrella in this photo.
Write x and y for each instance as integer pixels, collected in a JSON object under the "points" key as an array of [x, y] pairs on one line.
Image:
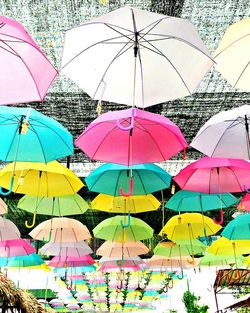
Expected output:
{"points": [[211, 259], [238, 228]]}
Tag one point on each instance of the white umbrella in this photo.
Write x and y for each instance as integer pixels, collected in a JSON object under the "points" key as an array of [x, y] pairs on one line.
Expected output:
{"points": [[226, 134], [131, 54], [65, 249], [8, 230]]}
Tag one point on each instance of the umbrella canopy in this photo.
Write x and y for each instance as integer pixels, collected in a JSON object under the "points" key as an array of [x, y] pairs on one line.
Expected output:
{"points": [[131, 204], [116, 265], [17, 247], [60, 229], [189, 226], [210, 259], [57, 261], [3, 207], [131, 136], [163, 263], [118, 250], [224, 246], [8, 230], [66, 249], [112, 229], [232, 57], [223, 132], [56, 206], [244, 204], [78, 269], [238, 228], [44, 140], [22, 261], [190, 201], [215, 175], [181, 248], [40, 179], [26, 73], [135, 43], [147, 178]]}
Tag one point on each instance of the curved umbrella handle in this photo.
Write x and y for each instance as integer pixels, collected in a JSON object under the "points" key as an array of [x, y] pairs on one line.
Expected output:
{"points": [[10, 188], [33, 221], [132, 122], [181, 276], [245, 189], [221, 218], [127, 224], [129, 193], [120, 262], [171, 283]]}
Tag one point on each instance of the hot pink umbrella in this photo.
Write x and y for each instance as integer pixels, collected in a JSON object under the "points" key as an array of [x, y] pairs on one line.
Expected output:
{"points": [[131, 136], [26, 73], [244, 204], [215, 175], [71, 261], [128, 266], [18, 247]]}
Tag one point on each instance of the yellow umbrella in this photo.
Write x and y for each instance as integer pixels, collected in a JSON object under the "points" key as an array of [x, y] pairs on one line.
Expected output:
{"points": [[40, 179], [44, 267], [189, 226], [226, 247], [247, 261], [132, 204], [232, 55]]}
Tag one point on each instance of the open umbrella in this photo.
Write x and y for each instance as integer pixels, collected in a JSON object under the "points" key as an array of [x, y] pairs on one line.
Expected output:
{"points": [[163, 263], [127, 265], [26, 73], [224, 246], [21, 261], [3, 207], [226, 134], [144, 51], [130, 137], [66, 249], [17, 247], [231, 55], [118, 250], [131, 204], [210, 259], [147, 178], [57, 261], [8, 230], [244, 204], [121, 228], [60, 229], [238, 228]]}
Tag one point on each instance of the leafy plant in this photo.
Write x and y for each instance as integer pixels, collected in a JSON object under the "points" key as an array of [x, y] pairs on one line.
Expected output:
{"points": [[190, 300]]}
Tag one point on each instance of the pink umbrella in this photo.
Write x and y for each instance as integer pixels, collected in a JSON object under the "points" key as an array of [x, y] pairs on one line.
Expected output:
{"points": [[26, 73], [128, 266], [244, 204], [18, 247], [131, 136], [71, 261], [215, 175], [3, 207]]}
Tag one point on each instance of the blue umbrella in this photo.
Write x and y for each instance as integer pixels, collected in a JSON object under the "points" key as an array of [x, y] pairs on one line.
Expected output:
{"points": [[22, 261]]}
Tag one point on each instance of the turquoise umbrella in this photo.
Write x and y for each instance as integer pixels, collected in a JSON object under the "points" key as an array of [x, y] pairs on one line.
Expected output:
{"points": [[238, 228], [22, 261], [146, 178], [190, 201]]}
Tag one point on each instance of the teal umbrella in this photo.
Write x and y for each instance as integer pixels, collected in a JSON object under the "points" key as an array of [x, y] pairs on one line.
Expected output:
{"points": [[190, 201], [22, 261], [146, 178], [238, 228]]}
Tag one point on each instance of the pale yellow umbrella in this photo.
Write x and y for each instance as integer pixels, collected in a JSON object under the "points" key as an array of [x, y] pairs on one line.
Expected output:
{"points": [[232, 55]]}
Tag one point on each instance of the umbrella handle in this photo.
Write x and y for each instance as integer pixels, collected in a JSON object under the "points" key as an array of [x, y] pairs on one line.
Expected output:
{"points": [[132, 122], [10, 188], [129, 193], [120, 262], [221, 218], [33, 221], [246, 190], [171, 283], [181, 276], [127, 224]]}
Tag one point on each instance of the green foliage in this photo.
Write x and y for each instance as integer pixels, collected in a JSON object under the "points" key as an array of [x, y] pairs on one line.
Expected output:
{"points": [[190, 300]]}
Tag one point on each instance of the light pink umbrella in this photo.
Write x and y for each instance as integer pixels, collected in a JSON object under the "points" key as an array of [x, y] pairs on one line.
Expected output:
{"points": [[3, 207], [8, 230], [215, 175], [26, 73], [18, 247], [71, 261], [244, 204], [131, 136], [116, 265], [114, 249], [66, 249]]}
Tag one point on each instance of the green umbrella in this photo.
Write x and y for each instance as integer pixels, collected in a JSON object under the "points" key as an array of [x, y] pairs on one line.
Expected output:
{"points": [[211, 259], [122, 228], [190, 201], [55, 206], [238, 228]]}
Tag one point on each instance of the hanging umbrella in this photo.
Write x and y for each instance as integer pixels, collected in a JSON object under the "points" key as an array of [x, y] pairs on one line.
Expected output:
{"points": [[215, 175], [85, 260], [144, 51], [127, 265], [21, 261], [131, 204], [17, 247], [147, 178], [224, 246], [3, 207], [56, 206], [117, 249], [120, 228], [60, 229], [189, 226], [26, 73], [40, 179], [231, 55], [131, 136], [210, 259], [190, 201], [244, 204], [76, 269], [238, 228], [8, 230], [226, 134], [66, 249], [163, 263]]}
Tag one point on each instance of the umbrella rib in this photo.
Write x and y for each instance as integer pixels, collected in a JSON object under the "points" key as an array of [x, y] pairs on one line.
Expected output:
{"points": [[69, 183], [241, 73], [216, 55], [14, 54], [11, 142], [241, 187], [139, 176]]}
